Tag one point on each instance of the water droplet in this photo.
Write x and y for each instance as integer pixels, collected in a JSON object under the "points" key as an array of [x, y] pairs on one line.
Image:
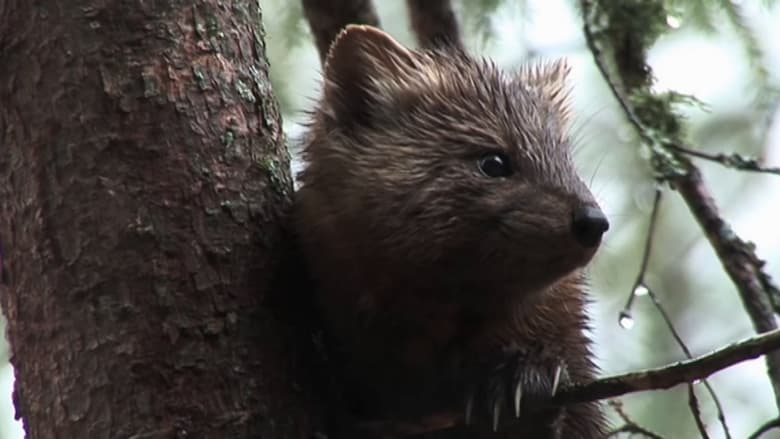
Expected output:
{"points": [[641, 290], [625, 320], [673, 22]]}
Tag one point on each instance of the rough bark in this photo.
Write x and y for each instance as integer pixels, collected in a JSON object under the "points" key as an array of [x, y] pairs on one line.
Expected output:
{"points": [[143, 176]]}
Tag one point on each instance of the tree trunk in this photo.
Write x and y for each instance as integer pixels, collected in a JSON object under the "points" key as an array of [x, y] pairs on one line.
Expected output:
{"points": [[143, 181]]}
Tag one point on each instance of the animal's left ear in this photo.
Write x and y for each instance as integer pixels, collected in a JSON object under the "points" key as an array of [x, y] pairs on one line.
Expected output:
{"points": [[362, 65], [550, 78]]}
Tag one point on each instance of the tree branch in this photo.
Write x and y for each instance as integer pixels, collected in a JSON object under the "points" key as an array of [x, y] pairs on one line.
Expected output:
{"points": [[640, 288], [629, 425], [718, 406], [735, 161], [328, 17], [687, 371], [434, 23], [693, 404], [737, 257], [671, 375], [770, 425]]}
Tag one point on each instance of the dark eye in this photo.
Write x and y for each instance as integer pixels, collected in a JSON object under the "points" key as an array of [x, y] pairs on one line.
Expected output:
{"points": [[495, 165]]}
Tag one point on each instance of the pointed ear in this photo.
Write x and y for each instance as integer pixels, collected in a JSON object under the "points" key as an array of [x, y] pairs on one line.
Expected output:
{"points": [[363, 63], [551, 79]]}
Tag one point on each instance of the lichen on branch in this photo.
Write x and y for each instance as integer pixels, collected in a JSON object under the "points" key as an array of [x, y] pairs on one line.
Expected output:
{"points": [[618, 35]]}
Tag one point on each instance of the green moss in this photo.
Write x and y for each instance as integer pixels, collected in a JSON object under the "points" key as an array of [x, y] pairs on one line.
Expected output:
{"points": [[200, 26], [201, 78], [208, 28], [624, 30], [213, 29], [151, 85], [245, 91], [228, 138], [638, 21], [277, 175], [269, 165]]}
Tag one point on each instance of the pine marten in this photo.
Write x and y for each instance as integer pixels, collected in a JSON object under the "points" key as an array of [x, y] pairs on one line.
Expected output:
{"points": [[445, 228]]}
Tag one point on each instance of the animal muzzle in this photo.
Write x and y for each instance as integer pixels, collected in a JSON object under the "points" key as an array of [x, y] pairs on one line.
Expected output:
{"points": [[588, 224]]}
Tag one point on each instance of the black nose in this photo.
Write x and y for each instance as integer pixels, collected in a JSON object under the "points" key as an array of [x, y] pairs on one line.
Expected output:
{"points": [[588, 224]]}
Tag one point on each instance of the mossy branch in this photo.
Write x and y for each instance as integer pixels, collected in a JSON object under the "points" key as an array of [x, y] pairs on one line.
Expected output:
{"points": [[659, 127]]}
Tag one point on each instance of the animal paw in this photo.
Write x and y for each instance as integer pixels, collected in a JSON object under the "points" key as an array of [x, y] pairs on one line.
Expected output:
{"points": [[511, 387]]}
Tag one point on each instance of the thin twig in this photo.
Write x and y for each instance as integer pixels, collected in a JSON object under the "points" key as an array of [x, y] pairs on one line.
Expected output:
{"points": [[687, 352], [693, 403], [735, 161], [641, 286], [630, 426], [737, 257], [639, 283], [770, 425], [671, 375]]}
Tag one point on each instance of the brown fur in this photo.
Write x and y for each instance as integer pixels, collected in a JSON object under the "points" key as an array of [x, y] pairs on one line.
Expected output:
{"points": [[429, 274]]}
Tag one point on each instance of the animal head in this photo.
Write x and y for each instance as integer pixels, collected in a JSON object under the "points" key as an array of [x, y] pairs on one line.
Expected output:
{"points": [[440, 159]]}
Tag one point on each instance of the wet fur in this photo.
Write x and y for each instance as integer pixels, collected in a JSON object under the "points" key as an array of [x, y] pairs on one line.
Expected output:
{"points": [[428, 273]]}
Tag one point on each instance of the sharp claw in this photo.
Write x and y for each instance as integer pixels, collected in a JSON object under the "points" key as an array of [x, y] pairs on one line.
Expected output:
{"points": [[556, 379], [518, 399], [496, 414], [469, 409]]}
